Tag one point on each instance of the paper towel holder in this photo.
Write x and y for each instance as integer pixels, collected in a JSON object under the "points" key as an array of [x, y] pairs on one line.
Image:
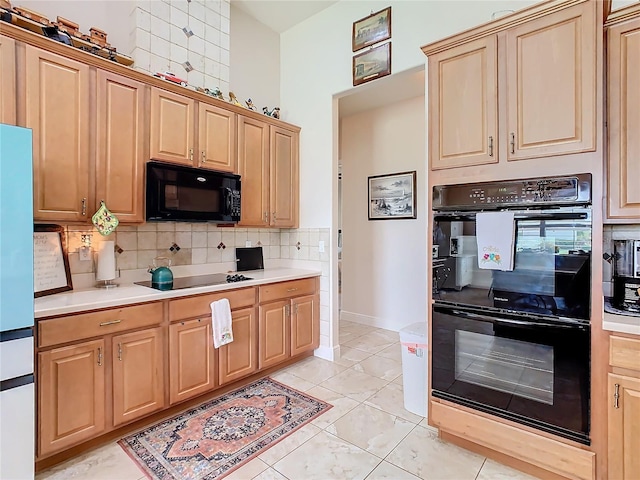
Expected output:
{"points": [[107, 263]]}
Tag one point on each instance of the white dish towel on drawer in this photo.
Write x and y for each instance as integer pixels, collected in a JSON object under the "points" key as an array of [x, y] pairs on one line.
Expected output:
{"points": [[495, 235], [221, 322]]}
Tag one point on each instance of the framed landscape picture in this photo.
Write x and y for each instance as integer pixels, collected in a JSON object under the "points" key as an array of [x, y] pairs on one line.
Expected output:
{"points": [[371, 29], [392, 196], [372, 64]]}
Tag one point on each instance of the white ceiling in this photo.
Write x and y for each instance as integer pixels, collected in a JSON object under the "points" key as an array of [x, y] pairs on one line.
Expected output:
{"points": [[281, 15]]}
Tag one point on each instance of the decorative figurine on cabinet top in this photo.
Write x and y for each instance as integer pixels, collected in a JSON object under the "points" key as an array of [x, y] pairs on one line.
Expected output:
{"points": [[275, 113], [233, 100], [171, 77], [250, 105]]}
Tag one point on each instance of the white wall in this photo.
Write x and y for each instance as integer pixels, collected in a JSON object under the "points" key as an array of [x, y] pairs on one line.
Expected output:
{"points": [[255, 70], [315, 65], [112, 16], [383, 261]]}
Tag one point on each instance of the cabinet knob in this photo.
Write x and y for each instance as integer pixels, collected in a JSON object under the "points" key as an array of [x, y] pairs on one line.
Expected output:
{"points": [[266, 217], [120, 351], [191, 155], [491, 146], [99, 356], [274, 216], [84, 206], [203, 158], [513, 142], [616, 396]]}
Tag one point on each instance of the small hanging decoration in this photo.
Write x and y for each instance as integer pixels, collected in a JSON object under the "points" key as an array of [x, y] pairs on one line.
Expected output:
{"points": [[104, 221]]}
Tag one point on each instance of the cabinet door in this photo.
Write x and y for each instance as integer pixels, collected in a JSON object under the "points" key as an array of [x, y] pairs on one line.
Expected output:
{"points": [[624, 427], [7, 80], [253, 166], [138, 375], [240, 357], [172, 127], [191, 360], [122, 125], [71, 391], [283, 188], [305, 324], [217, 138], [57, 109], [623, 80], [463, 105], [551, 81], [274, 333]]}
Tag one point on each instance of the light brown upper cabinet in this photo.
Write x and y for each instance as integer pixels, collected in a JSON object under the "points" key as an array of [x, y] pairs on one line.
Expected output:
{"points": [[121, 151], [173, 132], [623, 90], [514, 92], [57, 110], [268, 166], [7, 80]]}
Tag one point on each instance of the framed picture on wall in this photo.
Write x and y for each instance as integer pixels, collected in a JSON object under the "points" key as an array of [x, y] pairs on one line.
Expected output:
{"points": [[371, 29], [372, 64], [392, 196], [51, 272]]}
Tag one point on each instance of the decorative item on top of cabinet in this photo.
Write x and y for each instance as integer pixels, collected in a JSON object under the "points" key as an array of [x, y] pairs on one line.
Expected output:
{"points": [[57, 110], [173, 131], [623, 101], [541, 114], [7, 80]]}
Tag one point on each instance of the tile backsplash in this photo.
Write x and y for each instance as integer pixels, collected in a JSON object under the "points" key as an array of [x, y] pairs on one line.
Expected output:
{"points": [[611, 233]]}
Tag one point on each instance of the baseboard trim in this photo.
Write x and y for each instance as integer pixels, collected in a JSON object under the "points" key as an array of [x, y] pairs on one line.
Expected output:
{"points": [[327, 353], [370, 321]]}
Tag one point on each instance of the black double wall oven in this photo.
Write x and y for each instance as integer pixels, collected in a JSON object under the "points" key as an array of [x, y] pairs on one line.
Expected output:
{"points": [[516, 343]]}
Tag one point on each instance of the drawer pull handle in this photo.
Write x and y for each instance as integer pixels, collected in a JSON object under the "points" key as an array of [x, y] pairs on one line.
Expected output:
{"points": [[616, 396], [291, 289], [99, 356], [112, 322]]}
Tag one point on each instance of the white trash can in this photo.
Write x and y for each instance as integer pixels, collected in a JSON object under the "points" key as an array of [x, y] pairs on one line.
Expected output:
{"points": [[413, 340]]}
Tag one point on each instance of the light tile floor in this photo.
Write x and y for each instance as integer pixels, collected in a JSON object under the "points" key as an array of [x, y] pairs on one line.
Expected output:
{"points": [[366, 435]]}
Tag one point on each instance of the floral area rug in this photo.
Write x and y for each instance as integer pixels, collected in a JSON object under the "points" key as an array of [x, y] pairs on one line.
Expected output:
{"points": [[211, 440]]}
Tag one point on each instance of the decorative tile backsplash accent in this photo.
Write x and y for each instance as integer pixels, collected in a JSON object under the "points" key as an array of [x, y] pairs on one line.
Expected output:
{"points": [[189, 38], [201, 243]]}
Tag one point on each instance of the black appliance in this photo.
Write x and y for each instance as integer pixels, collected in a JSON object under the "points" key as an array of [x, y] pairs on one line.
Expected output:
{"points": [[198, 281], [516, 343], [191, 194], [249, 258], [626, 275]]}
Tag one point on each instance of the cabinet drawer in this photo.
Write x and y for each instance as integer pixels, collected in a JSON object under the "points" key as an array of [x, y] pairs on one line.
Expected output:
{"points": [[276, 291], [200, 305], [624, 352], [94, 324]]}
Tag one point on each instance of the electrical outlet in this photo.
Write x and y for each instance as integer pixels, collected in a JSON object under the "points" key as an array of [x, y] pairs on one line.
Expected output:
{"points": [[321, 246], [247, 243], [84, 253]]}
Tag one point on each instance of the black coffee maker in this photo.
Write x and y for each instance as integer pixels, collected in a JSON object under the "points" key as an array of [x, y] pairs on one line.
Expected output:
{"points": [[626, 275]]}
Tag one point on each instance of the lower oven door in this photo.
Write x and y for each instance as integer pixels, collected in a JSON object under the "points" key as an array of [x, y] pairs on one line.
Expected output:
{"points": [[530, 370]]}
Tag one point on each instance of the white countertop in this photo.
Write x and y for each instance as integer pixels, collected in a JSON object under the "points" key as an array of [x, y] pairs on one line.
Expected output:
{"points": [[128, 293], [616, 321]]}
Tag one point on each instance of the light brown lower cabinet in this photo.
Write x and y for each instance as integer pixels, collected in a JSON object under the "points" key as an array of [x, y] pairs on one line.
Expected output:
{"points": [[624, 427], [305, 324], [274, 333], [240, 357], [192, 368], [138, 374], [71, 395]]}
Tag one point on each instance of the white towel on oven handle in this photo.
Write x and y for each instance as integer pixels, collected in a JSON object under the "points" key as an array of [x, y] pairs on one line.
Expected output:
{"points": [[495, 236], [221, 322]]}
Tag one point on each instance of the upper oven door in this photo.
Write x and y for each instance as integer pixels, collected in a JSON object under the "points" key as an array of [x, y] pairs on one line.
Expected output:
{"points": [[552, 269]]}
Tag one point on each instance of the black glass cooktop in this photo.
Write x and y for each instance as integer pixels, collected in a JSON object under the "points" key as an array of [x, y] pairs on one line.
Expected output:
{"points": [[197, 281]]}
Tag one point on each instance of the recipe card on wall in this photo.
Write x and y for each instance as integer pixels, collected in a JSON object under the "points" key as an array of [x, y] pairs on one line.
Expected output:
{"points": [[50, 262]]}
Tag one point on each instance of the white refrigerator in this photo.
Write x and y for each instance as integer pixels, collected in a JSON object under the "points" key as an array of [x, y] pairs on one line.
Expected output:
{"points": [[17, 406]]}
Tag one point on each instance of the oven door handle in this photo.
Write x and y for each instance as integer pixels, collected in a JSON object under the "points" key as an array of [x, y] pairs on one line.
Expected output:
{"points": [[518, 216], [523, 323]]}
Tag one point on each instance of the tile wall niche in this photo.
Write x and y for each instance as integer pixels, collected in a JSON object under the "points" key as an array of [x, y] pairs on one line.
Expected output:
{"points": [[189, 38], [205, 245], [611, 233]]}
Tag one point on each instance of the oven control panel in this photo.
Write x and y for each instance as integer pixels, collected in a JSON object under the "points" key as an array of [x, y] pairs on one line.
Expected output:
{"points": [[547, 191]]}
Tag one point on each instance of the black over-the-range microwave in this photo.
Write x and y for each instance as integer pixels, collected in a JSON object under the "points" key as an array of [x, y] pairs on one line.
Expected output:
{"points": [[177, 193]]}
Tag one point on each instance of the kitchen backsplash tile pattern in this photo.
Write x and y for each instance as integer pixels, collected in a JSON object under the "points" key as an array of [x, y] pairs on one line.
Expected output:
{"points": [[189, 38], [611, 233], [201, 243]]}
